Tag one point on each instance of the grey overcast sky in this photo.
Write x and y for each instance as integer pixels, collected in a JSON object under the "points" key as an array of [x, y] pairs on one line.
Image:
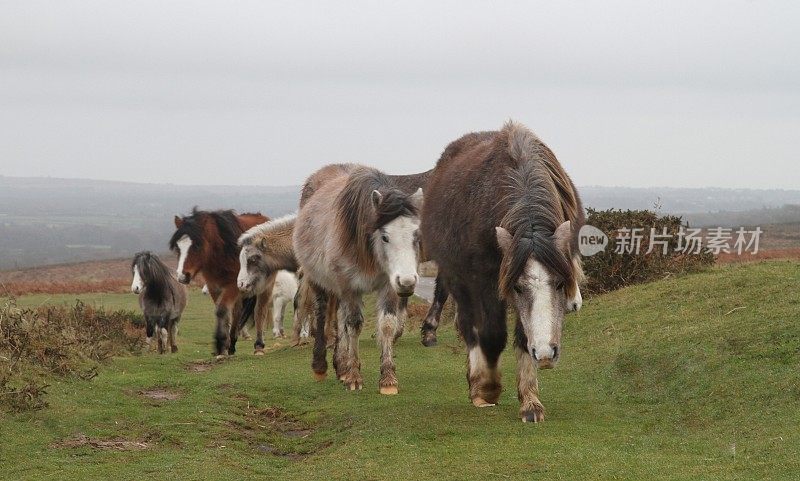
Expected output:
{"points": [[683, 93]]}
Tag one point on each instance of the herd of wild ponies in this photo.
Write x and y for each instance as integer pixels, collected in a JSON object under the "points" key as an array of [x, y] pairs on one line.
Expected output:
{"points": [[497, 213]]}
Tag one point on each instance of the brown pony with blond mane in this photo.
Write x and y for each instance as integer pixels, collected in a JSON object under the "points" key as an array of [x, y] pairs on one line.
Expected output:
{"points": [[494, 212], [206, 242], [357, 232]]}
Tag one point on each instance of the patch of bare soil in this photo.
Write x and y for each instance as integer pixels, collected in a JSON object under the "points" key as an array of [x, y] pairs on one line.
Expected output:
{"points": [[116, 444], [160, 394], [273, 431], [200, 366]]}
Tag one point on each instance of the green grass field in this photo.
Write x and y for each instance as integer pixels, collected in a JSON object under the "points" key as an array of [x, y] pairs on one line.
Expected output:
{"points": [[696, 377]]}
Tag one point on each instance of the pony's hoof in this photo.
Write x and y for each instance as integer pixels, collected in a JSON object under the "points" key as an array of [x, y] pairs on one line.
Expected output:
{"points": [[355, 386], [220, 357], [258, 352], [429, 339], [320, 376], [174, 349], [479, 402], [532, 416], [388, 390]]}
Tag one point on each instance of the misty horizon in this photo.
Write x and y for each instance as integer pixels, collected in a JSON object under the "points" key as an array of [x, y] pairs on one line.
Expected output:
{"points": [[626, 94]]}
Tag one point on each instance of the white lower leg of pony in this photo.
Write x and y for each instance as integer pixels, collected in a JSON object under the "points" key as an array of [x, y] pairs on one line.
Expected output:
{"points": [[278, 307], [482, 379], [163, 337], [388, 327], [531, 409]]}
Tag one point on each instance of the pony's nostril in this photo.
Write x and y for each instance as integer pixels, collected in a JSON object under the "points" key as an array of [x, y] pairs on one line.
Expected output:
{"points": [[555, 352], [533, 353]]}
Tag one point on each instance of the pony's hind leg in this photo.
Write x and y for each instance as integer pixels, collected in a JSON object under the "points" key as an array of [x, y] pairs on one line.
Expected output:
{"points": [[278, 310], [162, 335], [261, 314], [173, 334], [531, 408], [319, 363], [431, 323], [348, 363], [388, 329]]}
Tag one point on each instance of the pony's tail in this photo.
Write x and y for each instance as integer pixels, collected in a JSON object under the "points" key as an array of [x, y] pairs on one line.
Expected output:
{"points": [[248, 310]]}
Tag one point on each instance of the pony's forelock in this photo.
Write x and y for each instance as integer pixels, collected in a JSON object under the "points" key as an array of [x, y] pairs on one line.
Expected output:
{"points": [[533, 211]]}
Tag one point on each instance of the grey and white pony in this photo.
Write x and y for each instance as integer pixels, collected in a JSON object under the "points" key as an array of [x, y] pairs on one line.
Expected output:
{"points": [[266, 269], [161, 297], [359, 233]]}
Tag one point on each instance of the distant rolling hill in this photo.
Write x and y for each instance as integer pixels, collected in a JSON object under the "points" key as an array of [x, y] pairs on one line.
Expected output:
{"points": [[49, 221]]}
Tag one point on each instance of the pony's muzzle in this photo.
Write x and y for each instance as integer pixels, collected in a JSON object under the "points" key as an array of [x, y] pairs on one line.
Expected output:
{"points": [[184, 278], [405, 285], [135, 290], [546, 358]]}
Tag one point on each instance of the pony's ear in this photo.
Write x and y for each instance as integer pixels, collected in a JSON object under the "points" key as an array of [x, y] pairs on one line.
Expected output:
{"points": [[377, 198], [504, 239], [263, 244], [417, 198], [178, 221], [563, 237]]}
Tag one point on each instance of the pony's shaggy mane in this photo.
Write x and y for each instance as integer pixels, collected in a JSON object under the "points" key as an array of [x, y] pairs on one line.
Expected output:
{"points": [[228, 229], [357, 217], [256, 232], [533, 208], [155, 275]]}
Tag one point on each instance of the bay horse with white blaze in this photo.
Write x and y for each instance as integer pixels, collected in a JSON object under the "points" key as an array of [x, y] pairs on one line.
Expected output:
{"points": [[161, 298], [206, 242], [358, 233], [494, 222]]}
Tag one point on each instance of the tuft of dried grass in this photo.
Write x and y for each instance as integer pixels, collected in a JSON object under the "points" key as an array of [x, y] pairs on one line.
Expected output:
{"points": [[37, 344]]}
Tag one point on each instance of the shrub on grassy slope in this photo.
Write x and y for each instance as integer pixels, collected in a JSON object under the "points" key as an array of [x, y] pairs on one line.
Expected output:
{"points": [[36, 344], [609, 270]]}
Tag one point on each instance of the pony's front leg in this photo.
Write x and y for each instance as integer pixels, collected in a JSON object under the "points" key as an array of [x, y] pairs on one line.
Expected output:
{"points": [[350, 324], [431, 323], [319, 363], [531, 409], [262, 314], [224, 313], [150, 331], [388, 329]]}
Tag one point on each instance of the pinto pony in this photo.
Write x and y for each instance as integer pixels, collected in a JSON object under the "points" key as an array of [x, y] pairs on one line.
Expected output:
{"points": [[494, 212], [161, 298], [358, 233], [205, 242]]}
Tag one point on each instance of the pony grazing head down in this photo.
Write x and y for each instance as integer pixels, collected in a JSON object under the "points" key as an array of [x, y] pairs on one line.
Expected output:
{"points": [[536, 272], [382, 226], [265, 249]]}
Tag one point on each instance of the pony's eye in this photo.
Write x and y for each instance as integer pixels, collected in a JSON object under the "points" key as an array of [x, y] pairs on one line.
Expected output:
{"points": [[385, 238], [560, 286], [518, 289]]}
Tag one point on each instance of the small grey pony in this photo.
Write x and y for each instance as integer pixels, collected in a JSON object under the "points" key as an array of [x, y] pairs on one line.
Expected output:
{"points": [[161, 297]]}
